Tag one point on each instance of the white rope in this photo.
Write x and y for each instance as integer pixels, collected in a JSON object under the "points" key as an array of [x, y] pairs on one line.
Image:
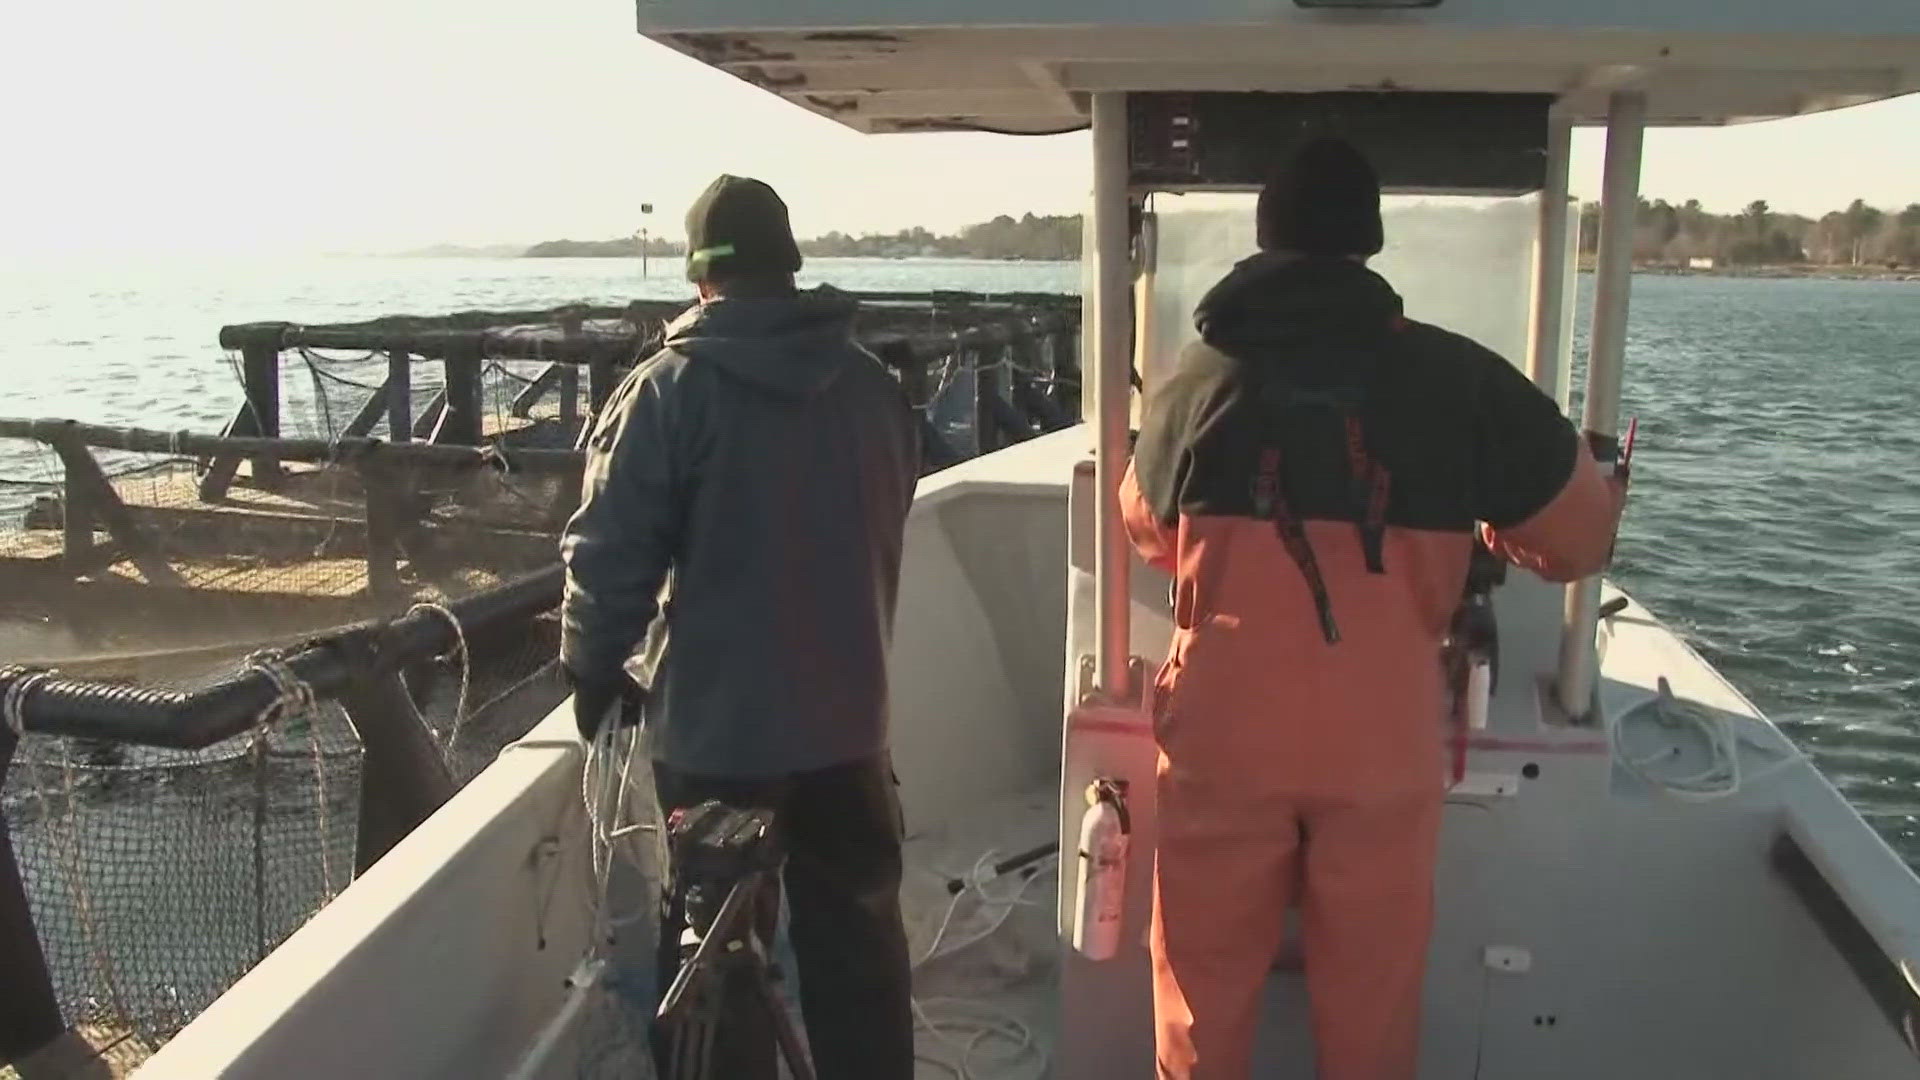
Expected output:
{"points": [[13, 706], [294, 696], [1723, 735], [292, 693], [967, 1033], [497, 451], [585, 976], [604, 791], [986, 1023], [466, 673]]}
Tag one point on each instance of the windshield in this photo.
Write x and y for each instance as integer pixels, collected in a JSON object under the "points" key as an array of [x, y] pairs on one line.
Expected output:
{"points": [[1465, 263]]}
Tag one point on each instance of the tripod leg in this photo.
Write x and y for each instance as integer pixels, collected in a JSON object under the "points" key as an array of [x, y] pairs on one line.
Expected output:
{"points": [[709, 980], [675, 1067], [690, 1043], [783, 1032], [680, 1053], [709, 1027]]}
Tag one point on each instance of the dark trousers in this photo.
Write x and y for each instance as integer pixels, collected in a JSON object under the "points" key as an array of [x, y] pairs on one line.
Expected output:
{"points": [[841, 829]]}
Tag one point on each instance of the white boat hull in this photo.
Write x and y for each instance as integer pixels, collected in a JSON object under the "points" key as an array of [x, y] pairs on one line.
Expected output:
{"points": [[1588, 925]]}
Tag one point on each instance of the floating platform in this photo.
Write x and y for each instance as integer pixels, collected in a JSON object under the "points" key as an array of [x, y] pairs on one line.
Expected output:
{"points": [[453, 473]]}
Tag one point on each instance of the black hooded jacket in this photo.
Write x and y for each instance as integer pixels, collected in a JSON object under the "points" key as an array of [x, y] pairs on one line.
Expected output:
{"points": [[1292, 346]]}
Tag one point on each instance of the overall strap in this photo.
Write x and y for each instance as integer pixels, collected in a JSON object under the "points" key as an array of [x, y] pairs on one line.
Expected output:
{"points": [[1270, 503], [1371, 486], [1369, 481]]}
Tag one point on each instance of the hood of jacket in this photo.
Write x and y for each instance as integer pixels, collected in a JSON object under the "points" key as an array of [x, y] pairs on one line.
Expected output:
{"points": [[1312, 310], [793, 346]]}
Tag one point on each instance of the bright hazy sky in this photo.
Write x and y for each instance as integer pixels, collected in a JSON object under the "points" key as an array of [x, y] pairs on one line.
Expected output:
{"points": [[368, 125]]}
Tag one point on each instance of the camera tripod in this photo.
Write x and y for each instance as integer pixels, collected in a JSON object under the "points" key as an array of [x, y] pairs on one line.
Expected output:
{"points": [[717, 948]]}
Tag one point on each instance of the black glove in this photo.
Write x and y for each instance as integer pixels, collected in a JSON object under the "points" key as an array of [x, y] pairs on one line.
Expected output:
{"points": [[1605, 448], [599, 701]]}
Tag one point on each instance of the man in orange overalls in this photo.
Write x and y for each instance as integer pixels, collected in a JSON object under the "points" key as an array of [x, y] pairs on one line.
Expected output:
{"points": [[1313, 473]]}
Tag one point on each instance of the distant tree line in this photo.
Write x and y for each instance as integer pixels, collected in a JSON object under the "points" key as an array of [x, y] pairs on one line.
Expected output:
{"points": [[1665, 233], [625, 247], [1028, 237], [1860, 235], [1052, 237]]}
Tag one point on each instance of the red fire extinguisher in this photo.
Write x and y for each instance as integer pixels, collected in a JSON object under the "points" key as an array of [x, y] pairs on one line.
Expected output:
{"points": [[1105, 831]]}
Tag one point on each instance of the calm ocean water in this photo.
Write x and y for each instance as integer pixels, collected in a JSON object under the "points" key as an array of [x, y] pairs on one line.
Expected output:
{"points": [[1775, 519]]}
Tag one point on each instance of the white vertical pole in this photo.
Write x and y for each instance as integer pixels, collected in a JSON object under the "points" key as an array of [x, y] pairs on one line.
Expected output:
{"points": [[1546, 352], [1606, 354], [1112, 354]]}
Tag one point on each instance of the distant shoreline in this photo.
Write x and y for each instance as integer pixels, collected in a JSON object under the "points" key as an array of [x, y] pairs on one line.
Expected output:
{"points": [[1821, 271], [1814, 271], [1810, 271]]}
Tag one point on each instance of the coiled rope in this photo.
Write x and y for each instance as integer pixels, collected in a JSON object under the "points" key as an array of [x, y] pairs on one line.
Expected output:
{"points": [[977, 1022], [606, 789], [1723, 735]]}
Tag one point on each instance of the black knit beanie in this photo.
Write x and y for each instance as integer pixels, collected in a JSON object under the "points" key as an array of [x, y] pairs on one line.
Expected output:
{"points": [[737, 228], [1324, 201]]}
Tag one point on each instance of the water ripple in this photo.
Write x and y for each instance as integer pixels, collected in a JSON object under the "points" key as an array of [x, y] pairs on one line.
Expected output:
{"points": [[1775, 516]]}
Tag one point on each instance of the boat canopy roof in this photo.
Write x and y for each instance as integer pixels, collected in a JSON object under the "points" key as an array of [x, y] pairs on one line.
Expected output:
{"points": [[1028, 66]]}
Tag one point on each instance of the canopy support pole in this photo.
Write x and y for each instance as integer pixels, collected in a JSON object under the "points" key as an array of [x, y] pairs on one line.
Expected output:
{"points": [[1619, 207], [1547, 348], [1112, 360]]}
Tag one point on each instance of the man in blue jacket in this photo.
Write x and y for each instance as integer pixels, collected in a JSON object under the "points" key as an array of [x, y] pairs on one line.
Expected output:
{"points": [[756, 474]]}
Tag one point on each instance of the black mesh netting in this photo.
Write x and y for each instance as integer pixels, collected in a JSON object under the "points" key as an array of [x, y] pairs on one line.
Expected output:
{"points": [[157, 878]]}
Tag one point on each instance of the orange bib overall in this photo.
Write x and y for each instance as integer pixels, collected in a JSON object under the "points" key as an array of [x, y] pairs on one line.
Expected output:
{"points": [[1294, 773], [1312, 472]]}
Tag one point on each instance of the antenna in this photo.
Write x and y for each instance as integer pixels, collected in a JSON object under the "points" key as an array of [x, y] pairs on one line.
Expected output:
{"points": [[645, 209]]}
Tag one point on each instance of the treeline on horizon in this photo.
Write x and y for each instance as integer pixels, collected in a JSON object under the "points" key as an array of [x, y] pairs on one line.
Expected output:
{"points": [[1666, 233], [1032, 237], [1860, 235]]}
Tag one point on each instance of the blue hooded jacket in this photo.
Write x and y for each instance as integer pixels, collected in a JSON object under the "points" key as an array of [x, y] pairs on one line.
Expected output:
{"points": [[749, 486]]}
